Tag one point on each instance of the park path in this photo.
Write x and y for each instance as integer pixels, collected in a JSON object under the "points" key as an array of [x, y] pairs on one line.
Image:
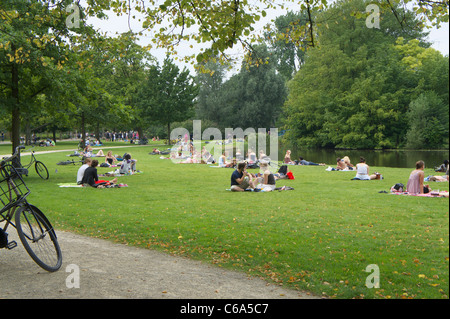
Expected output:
{"points": [[108, 270], [73, 150]]}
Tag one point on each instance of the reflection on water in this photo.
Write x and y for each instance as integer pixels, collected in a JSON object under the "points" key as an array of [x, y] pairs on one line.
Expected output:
{"points": [[394, 158]]}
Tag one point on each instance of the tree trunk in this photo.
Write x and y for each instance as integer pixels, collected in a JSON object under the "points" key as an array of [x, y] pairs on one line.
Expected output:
{"points": [[168, 134], [97, 131], [83, 130], [27, 132], [15, 114], [54, 133]]}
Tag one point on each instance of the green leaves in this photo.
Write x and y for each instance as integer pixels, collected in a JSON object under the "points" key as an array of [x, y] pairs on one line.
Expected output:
{"points": [[353, 91]]}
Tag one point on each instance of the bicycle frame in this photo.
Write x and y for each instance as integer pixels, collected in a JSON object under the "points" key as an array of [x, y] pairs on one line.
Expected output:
{"points": [[14, 195], [30, 222], [33, 160]]}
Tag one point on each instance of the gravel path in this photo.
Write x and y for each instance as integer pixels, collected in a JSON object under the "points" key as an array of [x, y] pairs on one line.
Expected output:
{"points": [[108, 270]]}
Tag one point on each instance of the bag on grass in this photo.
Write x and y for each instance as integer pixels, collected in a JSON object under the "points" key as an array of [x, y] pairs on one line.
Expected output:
{"points": [[397, 188]]}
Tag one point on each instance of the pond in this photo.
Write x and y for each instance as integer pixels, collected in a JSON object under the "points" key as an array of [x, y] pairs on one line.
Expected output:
{"points": [[384, 158]]}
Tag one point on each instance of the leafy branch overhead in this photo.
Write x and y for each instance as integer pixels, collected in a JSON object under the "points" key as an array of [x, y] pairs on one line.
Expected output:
{"points": [[218, 26]]}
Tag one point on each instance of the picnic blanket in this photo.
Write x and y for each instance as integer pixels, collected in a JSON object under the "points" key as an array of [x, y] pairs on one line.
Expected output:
{"points": [[117, 174], [431, 194], [332, 169], [69, 185], [78, 186], [259, 190]]}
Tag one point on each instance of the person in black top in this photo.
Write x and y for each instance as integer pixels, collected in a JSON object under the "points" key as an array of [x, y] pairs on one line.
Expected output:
{"points": [[91, 177]]}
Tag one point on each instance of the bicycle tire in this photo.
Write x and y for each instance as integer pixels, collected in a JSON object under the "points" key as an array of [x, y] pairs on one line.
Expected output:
{"points": [[38, 237], [41, 170]]}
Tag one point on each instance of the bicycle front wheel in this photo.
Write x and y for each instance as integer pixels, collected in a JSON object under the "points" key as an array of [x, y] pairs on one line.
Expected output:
{"points": [[41, 169], [38, 237]]}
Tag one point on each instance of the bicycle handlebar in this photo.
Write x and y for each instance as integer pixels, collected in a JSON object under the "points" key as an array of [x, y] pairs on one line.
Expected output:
{"points": [[16, 153]]}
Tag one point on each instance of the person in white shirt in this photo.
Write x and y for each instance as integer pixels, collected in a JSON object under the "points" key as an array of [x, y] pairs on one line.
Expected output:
{"points": [[362, 170], [80, 173]]}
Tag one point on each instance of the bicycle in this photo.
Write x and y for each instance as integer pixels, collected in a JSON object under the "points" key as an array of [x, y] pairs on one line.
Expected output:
{"points": [[34, 229], [40, 167]]}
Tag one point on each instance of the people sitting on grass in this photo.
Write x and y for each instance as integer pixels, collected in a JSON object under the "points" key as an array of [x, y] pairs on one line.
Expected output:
{"points": [[110, 159], [266, 178], [443, 167], [241, 180], [128, 166], [362, 171], [340, 164], [347, 162], [287, 158], [224, 163], [415, 182], [88, 152], [90, 177], [82, 169], [251, 156]]}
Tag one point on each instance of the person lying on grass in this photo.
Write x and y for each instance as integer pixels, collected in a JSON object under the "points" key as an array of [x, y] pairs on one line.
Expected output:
{"points": [[241, 179], [302, 161], [91, 177], [88, 152]]}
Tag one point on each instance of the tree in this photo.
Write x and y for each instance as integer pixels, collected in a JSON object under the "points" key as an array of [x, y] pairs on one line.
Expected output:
{"points": [[224, 24], [167, 95], [31, 49], [289, 42], [353, 91], [210, 84], [428, 122], [254, 96]]}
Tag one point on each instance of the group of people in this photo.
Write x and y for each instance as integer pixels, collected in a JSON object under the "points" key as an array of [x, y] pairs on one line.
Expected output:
{"points": [[87, 173], [416, 179], [242, 180], [121, 136]]}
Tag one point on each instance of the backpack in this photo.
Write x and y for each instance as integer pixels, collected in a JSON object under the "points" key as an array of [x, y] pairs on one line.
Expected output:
{"points": [[397, 188]]}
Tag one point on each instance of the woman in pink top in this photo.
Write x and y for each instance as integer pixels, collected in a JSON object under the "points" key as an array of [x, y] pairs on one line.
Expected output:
{"points": [[415, 181]]}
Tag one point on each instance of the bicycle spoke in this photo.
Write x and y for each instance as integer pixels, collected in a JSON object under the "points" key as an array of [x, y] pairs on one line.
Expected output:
{"points": [[39, 239]]}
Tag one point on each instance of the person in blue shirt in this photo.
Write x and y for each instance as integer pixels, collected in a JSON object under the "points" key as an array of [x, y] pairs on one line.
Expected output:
{"points": [[241, 179]]}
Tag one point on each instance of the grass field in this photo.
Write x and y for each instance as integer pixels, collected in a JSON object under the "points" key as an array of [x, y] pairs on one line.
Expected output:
{"points": [[319, 237]]}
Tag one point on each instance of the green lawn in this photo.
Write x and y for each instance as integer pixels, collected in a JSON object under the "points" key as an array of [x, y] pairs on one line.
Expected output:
{"points": [[319, 237]]}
